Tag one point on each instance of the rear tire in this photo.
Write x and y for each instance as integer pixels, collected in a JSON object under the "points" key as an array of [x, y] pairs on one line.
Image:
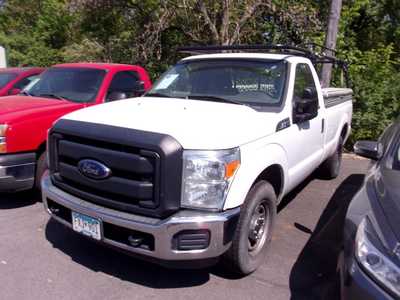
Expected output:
{"points": [[253, 233], [330, 168], [41, 167]]}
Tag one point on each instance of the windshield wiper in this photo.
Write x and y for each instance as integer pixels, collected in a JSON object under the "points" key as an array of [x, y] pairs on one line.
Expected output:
{"points": [[53, 96], [199, 97], [214, 98], [157, 95]]}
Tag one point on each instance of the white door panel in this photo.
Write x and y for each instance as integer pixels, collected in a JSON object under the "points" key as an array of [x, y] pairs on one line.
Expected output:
{"points": [[307, 138]]}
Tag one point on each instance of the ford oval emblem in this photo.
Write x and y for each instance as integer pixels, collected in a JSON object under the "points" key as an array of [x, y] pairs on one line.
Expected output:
{"points": [[93, 169]]}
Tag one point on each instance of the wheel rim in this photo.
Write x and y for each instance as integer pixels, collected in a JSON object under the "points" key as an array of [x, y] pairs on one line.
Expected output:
{"points": [[259, 228]]}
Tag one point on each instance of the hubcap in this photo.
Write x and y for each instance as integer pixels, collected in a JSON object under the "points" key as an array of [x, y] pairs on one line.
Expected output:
{"points": [[258, 229]]}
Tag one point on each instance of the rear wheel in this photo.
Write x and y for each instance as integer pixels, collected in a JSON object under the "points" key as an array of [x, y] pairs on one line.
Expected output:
{"points": [[41, 167], [253, 233], [330, 168]]}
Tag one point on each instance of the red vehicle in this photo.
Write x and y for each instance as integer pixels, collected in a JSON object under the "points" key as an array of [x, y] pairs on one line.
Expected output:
{"points": [[13, 80], [25, 119]]}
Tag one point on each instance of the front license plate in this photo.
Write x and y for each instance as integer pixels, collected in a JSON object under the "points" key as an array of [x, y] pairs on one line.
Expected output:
{"points": [[86, 225]]}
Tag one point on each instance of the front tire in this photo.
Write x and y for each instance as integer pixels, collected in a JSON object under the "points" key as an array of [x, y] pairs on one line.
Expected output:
{"points": [[253, 233]]}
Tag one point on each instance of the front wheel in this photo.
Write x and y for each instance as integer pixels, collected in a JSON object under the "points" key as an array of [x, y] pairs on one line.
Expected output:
{"points": [[253, 233]]}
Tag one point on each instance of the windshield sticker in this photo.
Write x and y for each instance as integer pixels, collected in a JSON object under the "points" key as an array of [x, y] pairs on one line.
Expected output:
{"points": [[167, 80]]}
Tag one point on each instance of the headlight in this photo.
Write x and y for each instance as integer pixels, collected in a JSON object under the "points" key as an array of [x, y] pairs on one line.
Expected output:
{"points": [[3, 145], [207, 176], [376, 263]]}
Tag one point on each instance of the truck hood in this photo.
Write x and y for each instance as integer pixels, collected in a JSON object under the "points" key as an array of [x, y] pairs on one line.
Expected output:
{"points": [[17, 107], [194, 124]]}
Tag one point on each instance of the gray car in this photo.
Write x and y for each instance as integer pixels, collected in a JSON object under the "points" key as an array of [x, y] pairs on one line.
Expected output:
{"points": [[370, 262]]}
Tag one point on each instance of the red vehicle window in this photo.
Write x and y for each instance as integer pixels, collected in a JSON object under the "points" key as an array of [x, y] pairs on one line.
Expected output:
{"points": [[74, 84], [124, 82], [6, 78], [21, 84]]}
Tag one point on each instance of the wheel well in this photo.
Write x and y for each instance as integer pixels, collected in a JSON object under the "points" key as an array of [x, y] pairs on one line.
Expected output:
{"points": [[40, 150], [274, 175], [344, 130]]}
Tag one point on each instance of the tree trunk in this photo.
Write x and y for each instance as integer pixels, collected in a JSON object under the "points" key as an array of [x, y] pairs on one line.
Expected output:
{"points": [[330, 40]]}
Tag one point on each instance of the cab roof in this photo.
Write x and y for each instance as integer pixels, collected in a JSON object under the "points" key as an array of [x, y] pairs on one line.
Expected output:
{"points": [[103, 66], [18, 70], [268, 56]]}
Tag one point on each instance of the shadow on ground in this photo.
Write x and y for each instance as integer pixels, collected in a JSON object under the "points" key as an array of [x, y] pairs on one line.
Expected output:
{"points": [[111, 262], [310, 277], [100, 258], [296, 191], [17, 200], [313, 275]]}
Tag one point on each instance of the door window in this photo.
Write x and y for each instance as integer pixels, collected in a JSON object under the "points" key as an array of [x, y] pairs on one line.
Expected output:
{"points": [[305, 97], [125, 83], [304, 80]]}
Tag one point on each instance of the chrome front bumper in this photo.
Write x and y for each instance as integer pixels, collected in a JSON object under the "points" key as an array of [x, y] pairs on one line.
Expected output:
{"points": [[17, 172], [220, 226]]}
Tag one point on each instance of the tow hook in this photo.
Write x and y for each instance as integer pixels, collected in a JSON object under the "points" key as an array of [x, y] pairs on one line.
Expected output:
{"points": [[135, 241]]}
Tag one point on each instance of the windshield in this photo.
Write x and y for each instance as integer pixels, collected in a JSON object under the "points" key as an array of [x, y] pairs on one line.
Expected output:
{"points": [[73, 84], [249, 82], [6, 78]]}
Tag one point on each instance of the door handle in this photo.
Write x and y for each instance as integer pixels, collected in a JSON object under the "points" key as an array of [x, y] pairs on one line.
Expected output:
{"points": [[323, 126]]}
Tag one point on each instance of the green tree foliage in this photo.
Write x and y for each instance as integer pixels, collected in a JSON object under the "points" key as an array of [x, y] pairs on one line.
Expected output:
{"points": [[33, 32], [368, 41], [147, 32], [377, 91]]}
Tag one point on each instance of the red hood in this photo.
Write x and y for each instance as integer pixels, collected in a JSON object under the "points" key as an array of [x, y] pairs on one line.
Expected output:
{"points": [[16, 107]]}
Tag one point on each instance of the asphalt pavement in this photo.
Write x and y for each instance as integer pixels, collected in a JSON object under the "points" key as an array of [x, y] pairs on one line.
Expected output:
{"points": [[40, 259]]}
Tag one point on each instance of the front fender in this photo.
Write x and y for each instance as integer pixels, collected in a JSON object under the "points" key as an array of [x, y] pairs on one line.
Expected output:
{"points": [[255, 158]]}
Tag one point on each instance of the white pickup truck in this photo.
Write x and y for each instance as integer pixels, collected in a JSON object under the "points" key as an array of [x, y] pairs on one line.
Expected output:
{"points": [[194, 170]]}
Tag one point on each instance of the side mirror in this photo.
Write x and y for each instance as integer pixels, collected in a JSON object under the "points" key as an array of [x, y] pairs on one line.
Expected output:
{"points": [[310, 93], [139, 89], [114, 96], [14, 91], [306, 108], [369, 149]]}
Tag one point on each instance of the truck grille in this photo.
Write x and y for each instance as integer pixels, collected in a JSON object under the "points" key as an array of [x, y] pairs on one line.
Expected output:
{"points": [[140, 167]]}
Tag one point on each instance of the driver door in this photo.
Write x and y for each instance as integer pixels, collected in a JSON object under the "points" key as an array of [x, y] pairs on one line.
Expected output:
{"points": [[307, 137]]}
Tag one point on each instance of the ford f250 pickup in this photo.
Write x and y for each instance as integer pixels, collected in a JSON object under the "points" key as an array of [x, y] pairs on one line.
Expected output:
{"points": [[194, 170], [26, 118]]}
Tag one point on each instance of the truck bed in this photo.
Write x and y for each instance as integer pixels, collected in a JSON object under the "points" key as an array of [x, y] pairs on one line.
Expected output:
{"points": [[336, 96]]}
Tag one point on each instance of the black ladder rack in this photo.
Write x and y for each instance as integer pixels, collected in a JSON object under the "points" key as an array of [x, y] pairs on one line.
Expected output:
{"points": [[315, 57]]}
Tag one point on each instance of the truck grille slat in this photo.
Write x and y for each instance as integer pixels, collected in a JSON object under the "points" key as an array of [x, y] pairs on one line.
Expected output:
{"points": [[124, 187], [119, 160]]}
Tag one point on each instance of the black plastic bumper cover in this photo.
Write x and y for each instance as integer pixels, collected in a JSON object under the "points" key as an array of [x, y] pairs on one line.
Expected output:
{"points": [[17, 171]]}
